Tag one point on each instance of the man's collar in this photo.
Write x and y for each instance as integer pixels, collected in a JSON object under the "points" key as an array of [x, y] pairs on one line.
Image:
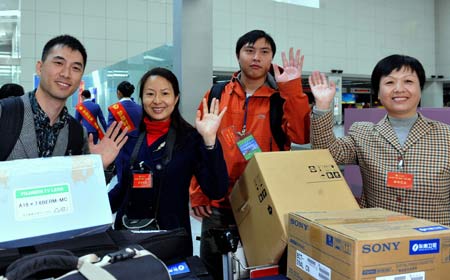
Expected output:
{"points": [[270, 80]]}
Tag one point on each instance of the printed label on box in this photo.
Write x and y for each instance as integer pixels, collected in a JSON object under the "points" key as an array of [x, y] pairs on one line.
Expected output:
{"points": [[312, 267], [339, 244], [326, 171], [409, 276], [39, 202], [421, 247], [431, 228]]}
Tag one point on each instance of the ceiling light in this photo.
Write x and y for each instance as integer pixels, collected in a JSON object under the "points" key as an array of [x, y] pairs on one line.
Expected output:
{"points": [[153, 58], [306, 3]]}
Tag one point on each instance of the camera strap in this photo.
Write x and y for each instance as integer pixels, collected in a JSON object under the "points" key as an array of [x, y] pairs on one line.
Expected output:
{"points": [[167, 157]]}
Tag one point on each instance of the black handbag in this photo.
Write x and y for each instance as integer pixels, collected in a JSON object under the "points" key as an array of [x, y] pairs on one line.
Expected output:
{"points": [[140, 224]]}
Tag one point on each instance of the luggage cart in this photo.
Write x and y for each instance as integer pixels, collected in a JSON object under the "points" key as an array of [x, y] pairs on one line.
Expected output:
{"points": [[227, 240]]}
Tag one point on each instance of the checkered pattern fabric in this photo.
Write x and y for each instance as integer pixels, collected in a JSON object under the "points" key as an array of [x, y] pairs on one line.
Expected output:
{"points": [[375, 148]]}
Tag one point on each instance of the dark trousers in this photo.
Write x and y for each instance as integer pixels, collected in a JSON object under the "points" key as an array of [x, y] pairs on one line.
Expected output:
{"points": [[209, 252]]}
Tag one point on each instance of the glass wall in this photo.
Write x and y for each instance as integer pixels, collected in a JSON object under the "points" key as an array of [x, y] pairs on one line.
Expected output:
{"points": [[103, 83], [9, 41]]}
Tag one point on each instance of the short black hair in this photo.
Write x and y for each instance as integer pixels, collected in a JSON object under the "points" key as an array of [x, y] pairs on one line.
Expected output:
{"points": [[396, 62], [251, 37], [86, 93], [67, 41], [126, 88]]}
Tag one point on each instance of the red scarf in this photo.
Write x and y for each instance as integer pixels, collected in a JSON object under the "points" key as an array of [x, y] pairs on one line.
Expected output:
{"points": [[155, 129]]}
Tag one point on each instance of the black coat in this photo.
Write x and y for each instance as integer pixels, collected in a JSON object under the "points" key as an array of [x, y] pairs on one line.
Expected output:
{"points": [[170, 182]]}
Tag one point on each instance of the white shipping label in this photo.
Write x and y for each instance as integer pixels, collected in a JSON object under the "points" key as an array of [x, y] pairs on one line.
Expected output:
{"points": [[409, 276], [40, 202], [312, 267]]}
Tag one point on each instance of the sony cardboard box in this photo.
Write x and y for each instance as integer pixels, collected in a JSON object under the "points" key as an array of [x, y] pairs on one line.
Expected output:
{"points": [[47, 199], [276, 183], [366, 244]]}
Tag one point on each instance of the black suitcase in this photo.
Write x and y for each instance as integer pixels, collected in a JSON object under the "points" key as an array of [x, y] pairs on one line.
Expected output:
{"points": [[166, 245]]}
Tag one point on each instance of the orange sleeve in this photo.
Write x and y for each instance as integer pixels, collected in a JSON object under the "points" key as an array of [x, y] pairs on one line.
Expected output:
{"points": [[198, 198], [296, 116]]}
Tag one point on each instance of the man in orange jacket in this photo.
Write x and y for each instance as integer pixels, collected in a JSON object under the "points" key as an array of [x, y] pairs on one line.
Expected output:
{"points": [[246, 127]]}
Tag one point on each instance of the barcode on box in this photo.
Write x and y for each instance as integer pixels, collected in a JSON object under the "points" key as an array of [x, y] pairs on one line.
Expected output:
{"points": [[408, 276], [312, 266]]}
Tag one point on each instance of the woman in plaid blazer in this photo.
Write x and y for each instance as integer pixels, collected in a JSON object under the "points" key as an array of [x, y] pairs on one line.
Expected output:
{"points": [[405, 158]]}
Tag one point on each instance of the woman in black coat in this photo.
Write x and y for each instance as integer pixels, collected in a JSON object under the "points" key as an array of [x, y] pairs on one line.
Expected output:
{"points": [[154, 170]]}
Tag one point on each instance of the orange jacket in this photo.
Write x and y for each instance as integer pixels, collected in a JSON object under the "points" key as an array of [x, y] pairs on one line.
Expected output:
{"points": [[296, 121]]}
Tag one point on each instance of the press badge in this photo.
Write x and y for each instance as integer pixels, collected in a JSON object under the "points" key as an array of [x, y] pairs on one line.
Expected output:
{"points": [[245, 142], [248, 146], [399, 180], [142, 179]]}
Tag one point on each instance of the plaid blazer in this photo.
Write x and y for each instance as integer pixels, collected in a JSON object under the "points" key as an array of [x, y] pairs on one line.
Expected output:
{"points": [[375, 148]]}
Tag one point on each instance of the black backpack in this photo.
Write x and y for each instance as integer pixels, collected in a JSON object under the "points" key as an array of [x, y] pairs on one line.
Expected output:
{"points": [[11, 122], [275, 114]]}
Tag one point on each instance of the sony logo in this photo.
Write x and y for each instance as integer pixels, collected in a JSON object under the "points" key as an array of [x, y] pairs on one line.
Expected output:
{"points": [[298, 224], [380, 247]]}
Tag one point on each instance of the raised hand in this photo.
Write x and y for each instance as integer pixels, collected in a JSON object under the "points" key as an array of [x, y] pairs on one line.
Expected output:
{"points": [[322, 90], [292, 67], [208, 125], [109, 147]]}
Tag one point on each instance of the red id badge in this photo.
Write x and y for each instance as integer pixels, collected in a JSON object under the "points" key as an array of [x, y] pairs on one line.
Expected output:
{"points": [[142, 180], [399, 180]]}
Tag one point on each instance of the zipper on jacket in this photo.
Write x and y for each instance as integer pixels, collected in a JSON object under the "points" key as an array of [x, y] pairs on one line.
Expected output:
{"points": [[244, 126]]}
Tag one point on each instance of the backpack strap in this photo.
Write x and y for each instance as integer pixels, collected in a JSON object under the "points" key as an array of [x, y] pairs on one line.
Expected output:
{"points": [[11, 121], [276, 120], [76, 138], [216, 91]]}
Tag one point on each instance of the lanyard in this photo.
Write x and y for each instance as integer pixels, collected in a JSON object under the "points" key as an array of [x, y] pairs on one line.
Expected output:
{"points": [[244, 126]]}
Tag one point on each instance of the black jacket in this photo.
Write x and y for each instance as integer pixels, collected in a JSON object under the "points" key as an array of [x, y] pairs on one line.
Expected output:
{"points": [[170, 182]]}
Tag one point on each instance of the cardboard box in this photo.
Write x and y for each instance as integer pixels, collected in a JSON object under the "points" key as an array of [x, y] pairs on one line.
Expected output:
{"points": [[47, 199], [276, 183], [366, 244]]}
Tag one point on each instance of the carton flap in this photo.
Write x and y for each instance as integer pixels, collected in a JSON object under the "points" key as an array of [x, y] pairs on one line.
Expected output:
{"points": [[241, 204], [276, 183], [371, 223]]}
